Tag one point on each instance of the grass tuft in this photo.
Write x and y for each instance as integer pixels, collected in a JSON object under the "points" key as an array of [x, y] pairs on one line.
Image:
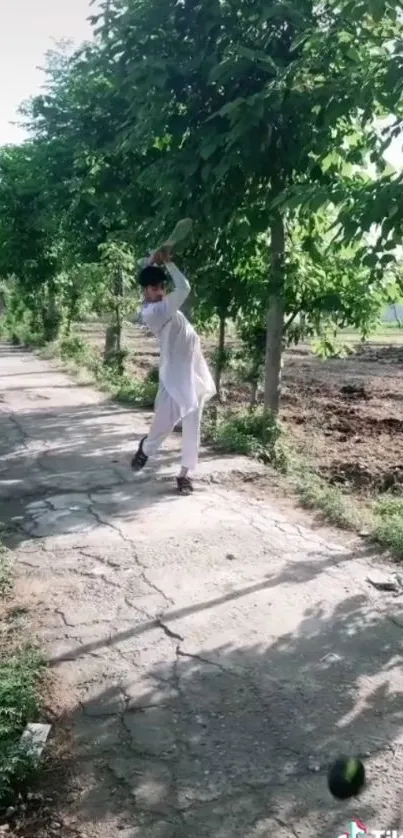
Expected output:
{"points": [[388, 524], [336, 506], [21, 671], [253, 434]]}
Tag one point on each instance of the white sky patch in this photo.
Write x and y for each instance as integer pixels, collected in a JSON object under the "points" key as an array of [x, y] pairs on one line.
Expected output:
{"points": [[28, 28]]}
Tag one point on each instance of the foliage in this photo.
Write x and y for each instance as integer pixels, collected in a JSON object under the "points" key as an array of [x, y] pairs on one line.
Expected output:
{"points": [[20, 675], [121, 386], [255, 434], [336, 507], [19, 704], [6, 574], [257, 121], [388, 528]]}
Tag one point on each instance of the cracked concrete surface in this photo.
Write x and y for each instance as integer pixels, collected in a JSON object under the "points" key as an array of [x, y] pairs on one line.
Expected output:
{"points": [[213, 656]]}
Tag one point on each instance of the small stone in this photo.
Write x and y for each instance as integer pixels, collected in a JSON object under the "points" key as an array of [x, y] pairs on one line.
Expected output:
{"points": [[230, 557], [313, 765], [34, 738]]}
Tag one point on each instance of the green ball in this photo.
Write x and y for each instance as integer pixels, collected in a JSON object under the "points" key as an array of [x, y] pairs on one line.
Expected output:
{"points": [[346, 777]]}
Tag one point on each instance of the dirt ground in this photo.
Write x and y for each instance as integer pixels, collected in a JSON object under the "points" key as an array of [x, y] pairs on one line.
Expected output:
{"points": [[347, 414]]}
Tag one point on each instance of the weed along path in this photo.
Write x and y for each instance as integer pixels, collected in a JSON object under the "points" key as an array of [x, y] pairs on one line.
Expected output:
{"points": [[211, 656]]}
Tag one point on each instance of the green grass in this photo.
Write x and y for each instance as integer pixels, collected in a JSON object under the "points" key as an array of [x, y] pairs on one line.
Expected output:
{"points": [[21, 673], [20, 676], [254, 435], [336, 506], [6, 575], [251, 433], [388, 524]]}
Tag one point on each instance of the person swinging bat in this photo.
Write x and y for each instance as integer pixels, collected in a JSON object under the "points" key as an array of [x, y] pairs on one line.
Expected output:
{"points": [[185, 381]]}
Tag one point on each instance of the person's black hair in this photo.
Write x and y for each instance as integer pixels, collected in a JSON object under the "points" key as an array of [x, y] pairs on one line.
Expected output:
{"points": [[152, 275]]}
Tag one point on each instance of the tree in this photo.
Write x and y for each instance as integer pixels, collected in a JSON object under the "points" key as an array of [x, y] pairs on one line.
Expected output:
{"points": [[242, 102], [26, 244]]}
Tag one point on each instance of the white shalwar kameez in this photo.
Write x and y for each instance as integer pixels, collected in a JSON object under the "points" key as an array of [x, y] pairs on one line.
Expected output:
{"points": [[185, 379]]}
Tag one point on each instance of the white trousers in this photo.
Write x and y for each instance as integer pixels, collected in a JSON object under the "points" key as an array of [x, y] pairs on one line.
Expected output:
{"points": [[166, 416]]}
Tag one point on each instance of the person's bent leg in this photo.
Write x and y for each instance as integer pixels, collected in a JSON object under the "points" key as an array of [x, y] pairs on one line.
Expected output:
{"points": [[165, 418]]}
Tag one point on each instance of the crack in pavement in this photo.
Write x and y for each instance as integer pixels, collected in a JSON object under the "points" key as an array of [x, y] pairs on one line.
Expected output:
{"points": [[24, 435], [106, 523], [167, 631], [181, 654]]}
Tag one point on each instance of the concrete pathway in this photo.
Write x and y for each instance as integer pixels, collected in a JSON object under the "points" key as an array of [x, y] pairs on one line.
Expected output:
{"points": [[212, 657]]}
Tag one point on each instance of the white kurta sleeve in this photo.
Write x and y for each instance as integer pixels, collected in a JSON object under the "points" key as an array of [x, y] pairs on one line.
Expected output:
{"points": [[181, 290]]}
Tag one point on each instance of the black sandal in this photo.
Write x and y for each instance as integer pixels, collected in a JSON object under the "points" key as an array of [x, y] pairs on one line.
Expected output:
{"points": [[185, 485], [140, 458]]}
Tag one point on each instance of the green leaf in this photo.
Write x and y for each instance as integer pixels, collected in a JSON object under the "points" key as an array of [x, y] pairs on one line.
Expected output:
{"points": [[354, 54], [258, 57], [209, 149], [376, 9], [230, 107]]}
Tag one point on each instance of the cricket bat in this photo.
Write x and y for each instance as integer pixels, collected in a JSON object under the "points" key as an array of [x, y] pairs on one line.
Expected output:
{"points": [[180, 232]]}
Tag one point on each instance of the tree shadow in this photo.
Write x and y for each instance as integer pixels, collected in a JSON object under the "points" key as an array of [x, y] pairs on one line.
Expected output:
{"points": [[234, 741], [67, 452], [68, 467]]}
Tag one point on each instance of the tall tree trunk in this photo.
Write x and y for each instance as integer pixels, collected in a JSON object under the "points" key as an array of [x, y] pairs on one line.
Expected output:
{"points": [[118, 291], [113, 335], [51, 318], [275, 319], [254, 387], [220, 354]]}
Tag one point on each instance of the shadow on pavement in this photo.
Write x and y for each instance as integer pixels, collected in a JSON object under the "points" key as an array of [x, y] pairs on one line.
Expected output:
{"points": [[235, 742], [305, 571], [66, 452]]}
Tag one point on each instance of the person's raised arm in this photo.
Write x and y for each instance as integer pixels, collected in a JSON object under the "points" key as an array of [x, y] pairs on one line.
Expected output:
{"points": [[181, 291]]}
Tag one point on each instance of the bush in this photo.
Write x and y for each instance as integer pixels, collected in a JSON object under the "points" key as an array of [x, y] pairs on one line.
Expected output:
{"points": [[6, 575], [153, 376], [72, 347], [20, 674], [131, 391], [254, 434], [19, 704], [388, 526]]}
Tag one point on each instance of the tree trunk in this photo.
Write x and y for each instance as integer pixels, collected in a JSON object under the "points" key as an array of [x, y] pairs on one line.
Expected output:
{"points": [[220, 354], [118, 292], [113, 335], [50, 315], [253, 392], [111, 342], [275, 319]]}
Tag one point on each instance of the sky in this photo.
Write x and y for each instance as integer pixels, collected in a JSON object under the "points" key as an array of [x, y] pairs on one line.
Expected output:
{"points": [[28, 28]]}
